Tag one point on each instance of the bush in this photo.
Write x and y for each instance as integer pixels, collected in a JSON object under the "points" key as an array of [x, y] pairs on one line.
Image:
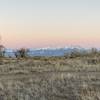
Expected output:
{"points": [[2, 51], [21, 53], [86, 53]]}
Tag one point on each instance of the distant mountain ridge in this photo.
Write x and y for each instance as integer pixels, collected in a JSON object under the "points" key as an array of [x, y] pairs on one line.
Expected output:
{"points": [[58, 51]]}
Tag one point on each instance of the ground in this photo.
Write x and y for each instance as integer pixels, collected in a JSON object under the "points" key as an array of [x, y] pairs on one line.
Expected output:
{"points": [[50, 78]]}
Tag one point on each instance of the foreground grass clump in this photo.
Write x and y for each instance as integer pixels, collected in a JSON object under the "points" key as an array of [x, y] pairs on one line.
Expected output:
{"points": [[50, 78]]}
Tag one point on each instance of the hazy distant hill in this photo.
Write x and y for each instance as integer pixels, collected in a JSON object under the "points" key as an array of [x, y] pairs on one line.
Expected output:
{"points": [[45, 51]]}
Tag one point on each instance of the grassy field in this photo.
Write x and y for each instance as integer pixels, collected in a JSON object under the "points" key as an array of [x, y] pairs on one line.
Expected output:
{"points": [[50, 78]]}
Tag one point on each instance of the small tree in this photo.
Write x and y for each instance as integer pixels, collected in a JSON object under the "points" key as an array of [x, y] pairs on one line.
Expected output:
{"points": [[2, 51], [74, 53], [21, 53]]}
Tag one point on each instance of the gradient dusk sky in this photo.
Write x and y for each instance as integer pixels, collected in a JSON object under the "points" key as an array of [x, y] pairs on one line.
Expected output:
{"points": [[53, 23]]}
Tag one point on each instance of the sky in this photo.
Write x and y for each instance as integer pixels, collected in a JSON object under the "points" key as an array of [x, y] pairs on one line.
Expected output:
{"points": [[49, 23]]}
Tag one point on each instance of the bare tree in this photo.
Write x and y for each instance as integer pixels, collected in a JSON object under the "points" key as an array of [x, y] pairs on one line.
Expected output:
{"points": [[21, 53]]}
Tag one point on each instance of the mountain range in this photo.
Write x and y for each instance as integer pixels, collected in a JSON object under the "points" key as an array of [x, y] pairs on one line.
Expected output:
{"points": [[46, 51]]}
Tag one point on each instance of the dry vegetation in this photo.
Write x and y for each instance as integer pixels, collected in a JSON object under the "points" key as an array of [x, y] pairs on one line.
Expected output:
{"points": [[50, 78]]}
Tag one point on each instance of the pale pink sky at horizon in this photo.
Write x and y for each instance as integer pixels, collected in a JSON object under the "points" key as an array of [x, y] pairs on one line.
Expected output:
{"points": [[52, 40], [53, 23]]}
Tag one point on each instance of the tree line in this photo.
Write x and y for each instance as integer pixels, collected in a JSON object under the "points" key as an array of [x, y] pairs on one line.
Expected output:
{"points": [[23, 53], [20, 53]]}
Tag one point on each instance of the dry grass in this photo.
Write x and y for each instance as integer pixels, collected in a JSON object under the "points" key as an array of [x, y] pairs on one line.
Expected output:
{"points": [[50, 78]]}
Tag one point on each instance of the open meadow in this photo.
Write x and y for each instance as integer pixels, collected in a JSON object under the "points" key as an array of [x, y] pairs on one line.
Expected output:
{"points": [[50, 78]]}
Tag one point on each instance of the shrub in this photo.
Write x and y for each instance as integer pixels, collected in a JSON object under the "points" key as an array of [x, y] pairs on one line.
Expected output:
{"points": [[21, 53], [2, 51], [85, 53]]}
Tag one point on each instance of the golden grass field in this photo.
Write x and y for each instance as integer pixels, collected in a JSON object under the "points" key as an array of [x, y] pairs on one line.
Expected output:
{"points": [[50, 78]]}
